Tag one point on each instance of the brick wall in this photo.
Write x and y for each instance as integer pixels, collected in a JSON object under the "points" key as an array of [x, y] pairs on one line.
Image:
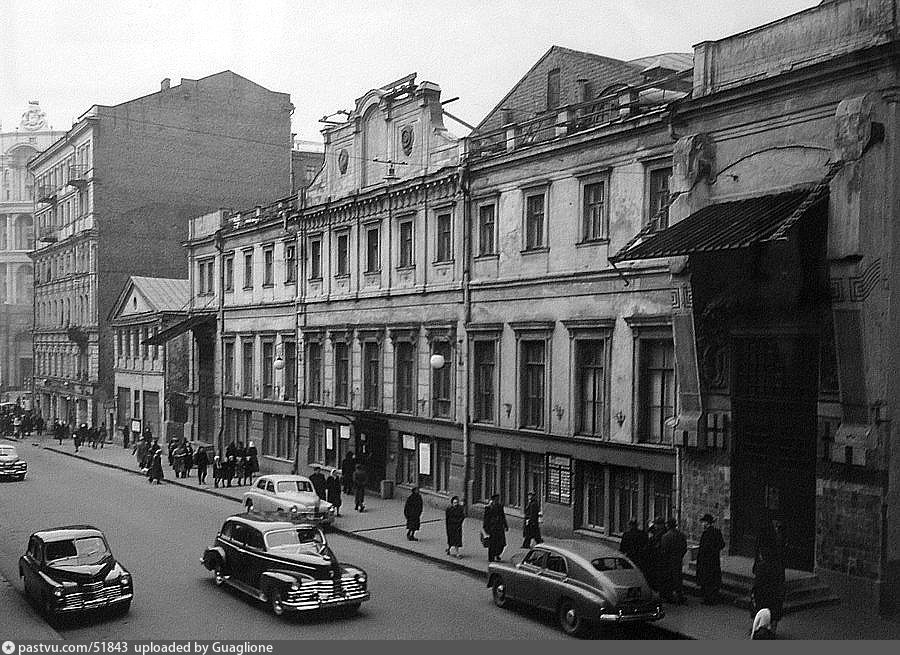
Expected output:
{"points": [[706, 487], [848, 528]]}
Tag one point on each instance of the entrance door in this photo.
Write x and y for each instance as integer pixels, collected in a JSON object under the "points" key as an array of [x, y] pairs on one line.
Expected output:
{"points": [[371, 445], [774, 412]]}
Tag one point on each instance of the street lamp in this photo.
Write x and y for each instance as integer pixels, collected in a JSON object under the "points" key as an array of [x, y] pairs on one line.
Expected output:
{"points": [[437, 361]]}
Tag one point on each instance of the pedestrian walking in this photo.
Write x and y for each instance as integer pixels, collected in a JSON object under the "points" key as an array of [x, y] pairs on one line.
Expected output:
{"points": [[228, 470], [201, 461], [252, 466], [360, 479], [39, 425], [709, 566], [455, 515], [768, 584], [348, 466], [126, 436], [634, 545], [238, 466], [177, 458], [218, 472], [333, 488], [188, 459], [673, 547], [318, 481], [655, 566], [531, 528], [58, 431], [494, 528], [412, 510], [101, 435], [155, 472]]}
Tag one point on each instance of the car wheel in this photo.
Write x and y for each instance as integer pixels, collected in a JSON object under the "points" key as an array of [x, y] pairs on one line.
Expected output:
{"points": [[570, 620], [498, 591], [277, 603]]}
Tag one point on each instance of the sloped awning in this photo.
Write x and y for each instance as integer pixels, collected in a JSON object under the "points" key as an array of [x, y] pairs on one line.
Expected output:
{"points": [[730, 225], [179, 328]]}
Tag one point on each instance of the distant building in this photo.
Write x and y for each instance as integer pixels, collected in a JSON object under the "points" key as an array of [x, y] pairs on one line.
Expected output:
{"points": [[151, 381], [307, 158], [114, 196], [18, 146]]}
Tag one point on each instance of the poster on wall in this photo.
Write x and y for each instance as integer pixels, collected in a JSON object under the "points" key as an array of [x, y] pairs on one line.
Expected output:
{"points": [[425, 458], [409, 442], [559, 479], [329, 438], [135, 425], [345, 432]]}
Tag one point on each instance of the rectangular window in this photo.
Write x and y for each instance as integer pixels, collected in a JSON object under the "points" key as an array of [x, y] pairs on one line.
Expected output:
{"points": [[594, 497], [442, 382], [247, 372], [532, 384], [316, 442], [444, 238], [341, 374], [343, 254], [657, 495], [657, 389], [623, 492], [590, 386], [485, 472], [229, 272], [553, 89], [268, 266], [534, 221], [119, 352], [406, 362], [406, 243], [127, 341], [486, 222], [658, 194], [228, 382], [534, 474], [510, 477], [136, 405], [205, 284], [594, 211], [290, 263], [315, 259], [268, 369], [407, 455], [443, 454], [314, 371], [290, 370], [484, 364], [371, 375], [248, 269], [373, 255]]}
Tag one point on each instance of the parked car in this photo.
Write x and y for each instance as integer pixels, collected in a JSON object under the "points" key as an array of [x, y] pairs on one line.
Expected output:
{"points": [[584, 585], [11, 465], [285, 564], [71, 569], [291, 494]]}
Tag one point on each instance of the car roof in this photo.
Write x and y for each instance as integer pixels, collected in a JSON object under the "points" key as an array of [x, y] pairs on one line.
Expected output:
{"points": [[582, 552], [266, 522], [282, 477], [68, 532]]}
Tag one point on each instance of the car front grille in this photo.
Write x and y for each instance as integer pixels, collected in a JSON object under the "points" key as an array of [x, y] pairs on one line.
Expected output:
{"points": [[94, 594], [317, 593]]}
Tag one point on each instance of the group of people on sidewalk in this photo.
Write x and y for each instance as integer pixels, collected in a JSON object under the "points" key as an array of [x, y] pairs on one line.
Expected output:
{"points": [[18, 423], [237, 465], [82, 436]]}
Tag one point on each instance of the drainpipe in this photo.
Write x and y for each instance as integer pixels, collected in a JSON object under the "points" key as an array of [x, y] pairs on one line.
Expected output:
{"points": [[299, 305], [467, 317], [219, 241]]}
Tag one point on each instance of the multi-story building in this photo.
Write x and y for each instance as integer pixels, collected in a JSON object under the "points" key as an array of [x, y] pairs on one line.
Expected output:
{"points": [[151, 381], [18, 146], [307, 158], [783, 249], [113, 199]]}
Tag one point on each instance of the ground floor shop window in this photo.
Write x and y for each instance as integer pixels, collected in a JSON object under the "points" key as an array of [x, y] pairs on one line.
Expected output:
{"points": [[237, 426], [278, 436], [657, 496], [611, 495], [511, 477], [485, 472], [534, 474], [424, 462], [507, 472], [623, 491], [594, 497], [326, 446]]}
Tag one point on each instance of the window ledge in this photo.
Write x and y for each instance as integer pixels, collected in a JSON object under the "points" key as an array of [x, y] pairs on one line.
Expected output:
{"points": [[442, 262], [250, 288], [592, 242], [372, 273], [341, 276], [487, 256], [535, 251], [278, 459], [315, 279], [407, 267], [290, 283], [229, 290], [268, 286]]}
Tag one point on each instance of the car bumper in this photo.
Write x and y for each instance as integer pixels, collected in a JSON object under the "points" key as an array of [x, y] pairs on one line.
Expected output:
{"points": [[13, 470], [627, 616], [302, 602], [78, 603]]}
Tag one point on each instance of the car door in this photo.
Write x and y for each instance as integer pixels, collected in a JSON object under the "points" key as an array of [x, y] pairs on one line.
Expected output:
{"points": [[554, 575], [232, 542], [31, 564], [274, 502], [526, 581], [254, 556]]}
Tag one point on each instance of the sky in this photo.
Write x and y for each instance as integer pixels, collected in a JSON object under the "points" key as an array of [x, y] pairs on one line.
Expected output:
{"points": [[70, 55]]}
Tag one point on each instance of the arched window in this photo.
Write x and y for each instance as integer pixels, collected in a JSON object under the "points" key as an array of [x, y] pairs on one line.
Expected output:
{"points": [[24, 284], [24, 232], [3, 244], [374, 146]]}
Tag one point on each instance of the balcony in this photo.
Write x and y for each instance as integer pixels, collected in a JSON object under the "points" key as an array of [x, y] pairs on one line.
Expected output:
{"points": [[47, 234], [77, 177], [46, 195]]}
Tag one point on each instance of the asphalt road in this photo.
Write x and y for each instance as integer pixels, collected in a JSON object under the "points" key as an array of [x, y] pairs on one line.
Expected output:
{"points": [[159, 533]]}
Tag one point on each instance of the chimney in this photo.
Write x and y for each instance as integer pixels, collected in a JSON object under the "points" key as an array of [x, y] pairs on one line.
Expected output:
{"points": [[165, 84]]}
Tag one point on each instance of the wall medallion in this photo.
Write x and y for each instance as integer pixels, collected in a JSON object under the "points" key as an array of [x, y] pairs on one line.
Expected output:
{"points": [[407, 138], [343, 160]]}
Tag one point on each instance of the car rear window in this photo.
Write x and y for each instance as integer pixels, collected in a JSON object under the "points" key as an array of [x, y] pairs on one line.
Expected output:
{"points": [[611, 563], [287, 486]]}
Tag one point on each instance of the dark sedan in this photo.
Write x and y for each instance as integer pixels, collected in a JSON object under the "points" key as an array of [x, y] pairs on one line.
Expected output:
{"points": [[583, 586], [72, 569]]}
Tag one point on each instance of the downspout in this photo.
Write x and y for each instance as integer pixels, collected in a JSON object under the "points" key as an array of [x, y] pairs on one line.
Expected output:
{"points": [[219, 244], [467, 317], [299, 305]]}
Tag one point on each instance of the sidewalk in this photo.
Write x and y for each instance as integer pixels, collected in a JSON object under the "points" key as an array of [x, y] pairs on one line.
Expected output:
{"points": [[383, 524]]}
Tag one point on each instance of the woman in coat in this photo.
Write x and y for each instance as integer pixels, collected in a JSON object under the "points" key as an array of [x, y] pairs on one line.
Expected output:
{"points": [[494, 527], [333, 488], [412, 510], [709, 567], [768, 584], [252, 462], [348, 466], [155, 474], [218, 471], [455, 515]]}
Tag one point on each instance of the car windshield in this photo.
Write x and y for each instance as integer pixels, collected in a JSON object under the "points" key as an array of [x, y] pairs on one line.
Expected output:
{"points": [[8, 451], [297, 540], [611, 563], [290, 486], [85, 550]]}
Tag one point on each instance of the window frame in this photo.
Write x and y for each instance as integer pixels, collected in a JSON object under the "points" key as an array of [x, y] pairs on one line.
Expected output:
{"points": [[315, 258], [534, 191], [267, 369], [441, 385], [314, 369], [401, 407], [228, 367], [228, 277], [342, 387], [372, 389], [443, 238], [341, 268], [585, 182], [406, 248], [248, 267], [645, 330], [290, 262], [487, 249], [493, 340], [248, 345], [536, 331], [370, 259], [651, 169]]}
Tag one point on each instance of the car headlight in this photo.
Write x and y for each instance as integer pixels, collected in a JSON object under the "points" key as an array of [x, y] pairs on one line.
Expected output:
{"points": [[360, 578], [294, 509], [125, 579], [58, 592], [295, 586]]}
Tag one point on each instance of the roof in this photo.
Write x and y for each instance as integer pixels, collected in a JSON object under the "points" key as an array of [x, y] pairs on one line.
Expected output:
{"points": [[281, 477], [266, 522], [164, 293], [676, 61], [581, 549], [179, 328], [722, 226], [68, 532]]}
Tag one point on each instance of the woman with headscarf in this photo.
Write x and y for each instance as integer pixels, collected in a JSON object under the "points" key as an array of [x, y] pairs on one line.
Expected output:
{"points": [[155, 473], [455, 515], [762, 625], [412, 510], [768, 584], [252, 462]]}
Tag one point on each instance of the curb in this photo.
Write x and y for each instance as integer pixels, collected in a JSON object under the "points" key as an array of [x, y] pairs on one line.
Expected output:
{"points": [[448, 564]]}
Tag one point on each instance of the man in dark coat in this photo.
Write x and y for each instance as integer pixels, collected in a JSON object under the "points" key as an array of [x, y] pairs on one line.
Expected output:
{"points": [[347, 468], [155, 472], [412, 510], [360, 479], [672, 550], [531, 528], [655, 566], [333, 490], [201, 461], [318, 481], [455, 516], [709, 567], [634, 545], [495, 527]]}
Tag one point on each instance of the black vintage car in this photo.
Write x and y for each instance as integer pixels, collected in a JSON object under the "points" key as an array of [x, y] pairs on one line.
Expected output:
{"points": [[71, 569], [286, 564]]}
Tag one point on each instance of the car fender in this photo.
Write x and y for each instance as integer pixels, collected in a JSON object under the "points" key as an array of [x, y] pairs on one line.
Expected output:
{"points": [[271, 579], [587, 600], [210, 555]]}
